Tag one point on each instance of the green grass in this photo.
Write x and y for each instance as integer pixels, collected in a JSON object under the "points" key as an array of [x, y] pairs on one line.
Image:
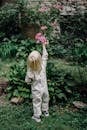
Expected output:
{"points": [[19, 118]]}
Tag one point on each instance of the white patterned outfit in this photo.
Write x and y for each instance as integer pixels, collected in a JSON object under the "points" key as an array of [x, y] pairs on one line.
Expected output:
{"points": [[39, 87]]}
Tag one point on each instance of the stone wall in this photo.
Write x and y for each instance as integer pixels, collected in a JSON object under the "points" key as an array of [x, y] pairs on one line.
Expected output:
{"points": [[2, 2], [69, 6]]}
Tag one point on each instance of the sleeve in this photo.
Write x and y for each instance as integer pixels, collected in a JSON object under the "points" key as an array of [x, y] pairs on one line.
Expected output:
{"points": [[29, 76], [44, 56]]}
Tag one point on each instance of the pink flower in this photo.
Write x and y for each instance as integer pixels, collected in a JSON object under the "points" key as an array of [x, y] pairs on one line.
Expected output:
{"points": [[59, 7], [38, 35], [43, 28], [43, 9], [41, 38]]}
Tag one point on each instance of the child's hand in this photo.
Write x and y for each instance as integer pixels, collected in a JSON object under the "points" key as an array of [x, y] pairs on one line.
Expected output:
{"points": [[28, 80], [46, 43]]}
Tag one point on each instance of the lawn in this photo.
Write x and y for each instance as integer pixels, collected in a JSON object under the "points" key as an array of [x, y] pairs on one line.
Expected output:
{"points": [[18, 117]]}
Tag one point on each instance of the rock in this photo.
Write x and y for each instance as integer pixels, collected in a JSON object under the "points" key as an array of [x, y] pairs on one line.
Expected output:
{"points": [[79, 104], [17, 100]]}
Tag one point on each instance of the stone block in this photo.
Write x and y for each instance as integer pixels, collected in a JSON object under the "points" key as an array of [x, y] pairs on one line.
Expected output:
{"points": [[17, 100]]}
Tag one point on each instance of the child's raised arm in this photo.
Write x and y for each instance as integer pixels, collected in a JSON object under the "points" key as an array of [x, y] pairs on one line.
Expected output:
{"points": [[44, 55]]}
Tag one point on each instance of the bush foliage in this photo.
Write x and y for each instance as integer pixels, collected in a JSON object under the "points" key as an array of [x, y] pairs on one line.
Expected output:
{"points": [[8, 20]]}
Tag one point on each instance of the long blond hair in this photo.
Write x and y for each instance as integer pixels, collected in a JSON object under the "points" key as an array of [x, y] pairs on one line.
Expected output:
{"points": [[34, 61]]}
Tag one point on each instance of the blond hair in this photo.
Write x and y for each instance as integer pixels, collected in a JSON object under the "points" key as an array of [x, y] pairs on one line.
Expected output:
{"points": [[34, 61]]}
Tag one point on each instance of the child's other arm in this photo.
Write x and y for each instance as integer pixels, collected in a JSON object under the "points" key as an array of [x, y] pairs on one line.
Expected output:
{"points": [[29, 77]]}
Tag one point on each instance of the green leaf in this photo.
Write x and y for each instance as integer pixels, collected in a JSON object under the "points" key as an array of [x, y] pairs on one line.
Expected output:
{"points": [[62, 95], [16, 93], [23, 89], [9, 95]]}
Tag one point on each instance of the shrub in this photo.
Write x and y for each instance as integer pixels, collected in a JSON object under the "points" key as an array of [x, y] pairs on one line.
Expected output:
{"points": [[9, 19], [72, 49], [39, 16], [8, 48], [18, 48], [79, 51], [74, 25], [25, 47], [61, 83], [17, 86]]}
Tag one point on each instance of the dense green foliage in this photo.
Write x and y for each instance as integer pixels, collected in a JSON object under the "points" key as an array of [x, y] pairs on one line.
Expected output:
{"points": [[64, 81], [8, 48], [74, 25], [71, 49], [8, 20]]}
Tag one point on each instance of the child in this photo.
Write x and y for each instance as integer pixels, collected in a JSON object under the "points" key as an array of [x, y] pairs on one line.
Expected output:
{"points": [[36, 71]]}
